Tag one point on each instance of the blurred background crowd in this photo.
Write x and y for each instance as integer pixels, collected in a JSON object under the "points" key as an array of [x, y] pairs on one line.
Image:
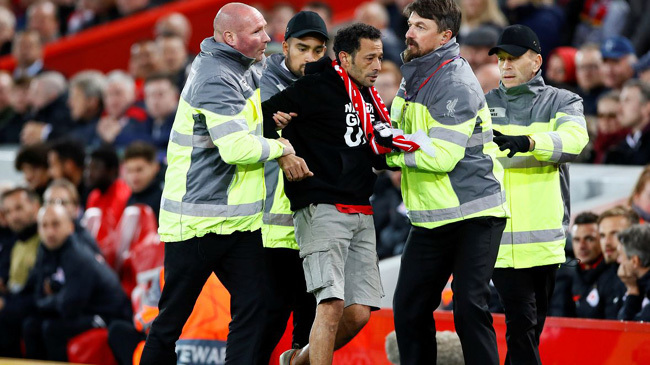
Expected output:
{"points": [[95, 142]]}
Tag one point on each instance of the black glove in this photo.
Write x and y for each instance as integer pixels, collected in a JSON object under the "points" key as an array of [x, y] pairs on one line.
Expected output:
{"points": [[516, 144]]}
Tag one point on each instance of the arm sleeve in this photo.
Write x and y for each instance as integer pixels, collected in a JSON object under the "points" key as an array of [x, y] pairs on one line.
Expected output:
{"points": [[631, 307], [224, 109], [287, 100], [569, 136], [450, 121], [77, 290]]}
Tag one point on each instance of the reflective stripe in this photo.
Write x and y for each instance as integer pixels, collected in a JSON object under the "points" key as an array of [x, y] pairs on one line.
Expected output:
{"points": [[545, 235], [571, 118], [409, 159], [475, 206], [211, 210], [522, 162], [229, 127], [479, 139], [278, 219], [258, 130], [448, 135], [187, 140], [557, 146], [266, 148]]}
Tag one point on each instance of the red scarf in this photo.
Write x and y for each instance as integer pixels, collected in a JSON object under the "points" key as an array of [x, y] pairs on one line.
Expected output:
{"points": [[382, 126]]}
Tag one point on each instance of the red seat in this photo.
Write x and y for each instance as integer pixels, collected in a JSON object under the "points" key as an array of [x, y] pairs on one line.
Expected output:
{"points": [[91, 347]]}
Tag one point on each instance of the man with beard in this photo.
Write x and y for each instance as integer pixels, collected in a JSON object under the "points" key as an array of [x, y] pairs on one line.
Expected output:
{"points": [[305, 41], [454, 195], [342, 127]]}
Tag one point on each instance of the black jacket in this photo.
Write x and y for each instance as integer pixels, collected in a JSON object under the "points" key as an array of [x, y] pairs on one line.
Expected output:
{"points": [[634, 308], [152, 194], [624, 154], [81, 284], [327, 135]]}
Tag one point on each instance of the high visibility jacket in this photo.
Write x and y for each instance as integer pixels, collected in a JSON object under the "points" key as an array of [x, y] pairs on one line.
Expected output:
{"points": [[277, 222], [454, 176], [537, 182], [216, 153]]}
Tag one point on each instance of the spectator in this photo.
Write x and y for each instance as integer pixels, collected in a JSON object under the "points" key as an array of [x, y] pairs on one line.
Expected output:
{"points": [[635, 115], [20, 207], [32, 162], [595, 288], [28, 52], [7, 30], [161, 100], [324, 10], [66, 159], [74, 292], [476, 45], [109, 194], [388, 82], [488, 76], [635, 265], [610, 132], [480, 12], [143, 175], [130, 7], [373, 13], [636, 28], [10, 123], [85, 102], [642, 68], [588, 62], [90, 13], [49, 115], [7, 240], [64, 193], [174, 24], [123, 121], [19, 100], [279, 17], [618, 62], [43, 17], [544, 18], [610, 223], [599, 19], [175, 57], [561, 68], [146, 59], [640, 199]]}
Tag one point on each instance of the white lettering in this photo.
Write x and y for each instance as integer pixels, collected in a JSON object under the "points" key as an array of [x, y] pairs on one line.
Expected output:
{"points": [[200, 353], [184, 353]]}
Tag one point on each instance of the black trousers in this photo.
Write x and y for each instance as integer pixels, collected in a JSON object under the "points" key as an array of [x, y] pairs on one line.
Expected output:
{"points": [[287, 292], [468, 250], [123, 339], [525, 295], [47, 338], [238, 261]]}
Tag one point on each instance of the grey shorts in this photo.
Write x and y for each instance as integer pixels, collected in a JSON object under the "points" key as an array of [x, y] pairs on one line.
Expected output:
{"points": [[339, 255]]}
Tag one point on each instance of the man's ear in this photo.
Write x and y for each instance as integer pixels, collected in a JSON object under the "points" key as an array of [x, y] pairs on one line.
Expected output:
{"points": [[230, 38], [635, 261], [446, 37], [345, 58], [538, 62], [285, 48]]}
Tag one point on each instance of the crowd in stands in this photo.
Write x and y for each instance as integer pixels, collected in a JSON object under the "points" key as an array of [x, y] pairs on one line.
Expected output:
{"points": [[99, 141]]}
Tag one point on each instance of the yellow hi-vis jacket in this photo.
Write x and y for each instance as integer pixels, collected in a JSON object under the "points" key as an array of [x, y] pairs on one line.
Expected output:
{"points": [[216, 153], [537, 182]]}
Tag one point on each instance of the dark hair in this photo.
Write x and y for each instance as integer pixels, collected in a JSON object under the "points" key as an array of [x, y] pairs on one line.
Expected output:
{"points": [[140, 149], [620, 211], [348, 39], [446, 13], [159, 76], [107, 155], [70, 150], [636, 242], [35, 155], [31, 195], [320, 5], [586, 218]]}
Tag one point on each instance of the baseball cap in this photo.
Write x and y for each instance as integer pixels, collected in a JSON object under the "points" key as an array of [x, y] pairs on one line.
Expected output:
{"points": [[483, 36], [303, 23], [616, 47], [516, 40]]}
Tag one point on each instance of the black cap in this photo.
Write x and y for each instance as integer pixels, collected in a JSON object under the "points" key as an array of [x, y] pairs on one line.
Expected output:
{"points": [[516, 40], [305, 22]]}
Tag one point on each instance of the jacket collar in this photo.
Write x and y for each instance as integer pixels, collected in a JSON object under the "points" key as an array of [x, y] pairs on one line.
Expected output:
{"points": [[417, 70], [533, 86], [276, 67], [214, 48]]}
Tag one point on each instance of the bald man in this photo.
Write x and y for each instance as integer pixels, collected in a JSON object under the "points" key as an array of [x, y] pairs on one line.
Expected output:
{"points": [[74, 292], [211, 208]]}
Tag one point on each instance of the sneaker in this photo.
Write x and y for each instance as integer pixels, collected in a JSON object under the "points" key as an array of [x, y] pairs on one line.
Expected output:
{"points": [[287, 356]]}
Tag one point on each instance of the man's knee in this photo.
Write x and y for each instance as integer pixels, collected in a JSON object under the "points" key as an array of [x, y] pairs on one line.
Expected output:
{"points": [[357, 316], [330, 311]]}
